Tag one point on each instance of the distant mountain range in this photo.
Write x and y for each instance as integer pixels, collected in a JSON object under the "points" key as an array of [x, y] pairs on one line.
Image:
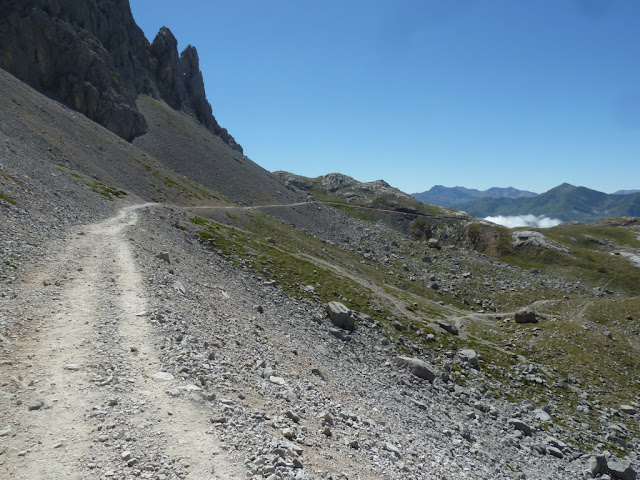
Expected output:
{"points": [[625, 192], [455, 196], [565, 202]]}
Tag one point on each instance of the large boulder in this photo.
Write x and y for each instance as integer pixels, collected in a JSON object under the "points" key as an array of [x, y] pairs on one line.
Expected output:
{"points": [[341, 316], [449, 327], [470, 356], [621, 470], [416, 366], [526, 315], [597, 465], [520, 425]]}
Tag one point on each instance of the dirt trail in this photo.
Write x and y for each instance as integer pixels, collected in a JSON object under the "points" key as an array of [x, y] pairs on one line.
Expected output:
{"points": [[77, 395]]}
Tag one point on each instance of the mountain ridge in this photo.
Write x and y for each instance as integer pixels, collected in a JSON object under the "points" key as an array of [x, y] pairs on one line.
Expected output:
{"points": [[454, 196], [565, 202]]}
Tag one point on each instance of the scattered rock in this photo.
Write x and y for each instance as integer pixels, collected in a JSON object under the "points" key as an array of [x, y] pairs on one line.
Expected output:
{"points": [[289, 414], [521, 426], [340, 334], [327, 418], [341, 316], [469, 356], [542, 416], [621, 470], [555, 452], [164, 256], [418, 367], [434, 243], [526, 315], [449, 327], [277, 380], [36, 405], [162, 377], [178, 287], [628, 409]]}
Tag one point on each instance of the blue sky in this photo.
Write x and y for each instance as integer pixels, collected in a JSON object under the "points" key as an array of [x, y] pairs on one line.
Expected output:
{"points": [[478, 93]]}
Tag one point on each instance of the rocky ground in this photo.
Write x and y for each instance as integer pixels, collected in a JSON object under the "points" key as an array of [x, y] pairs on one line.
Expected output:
{"points": [[130, 348], [129, 351]]}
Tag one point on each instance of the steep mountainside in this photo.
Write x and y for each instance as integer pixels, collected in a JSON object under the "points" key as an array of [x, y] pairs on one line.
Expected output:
{"points": [[565, 202], [181, 144], [93, 57], [170, 310], [455, 196]]}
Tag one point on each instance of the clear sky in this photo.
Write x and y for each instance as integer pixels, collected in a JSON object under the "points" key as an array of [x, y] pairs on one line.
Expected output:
{"points": [[477, 93]]}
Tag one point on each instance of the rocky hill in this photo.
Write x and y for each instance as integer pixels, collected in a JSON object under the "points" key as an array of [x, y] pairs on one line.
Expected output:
{"points": [[168, 309], [338, 189]]}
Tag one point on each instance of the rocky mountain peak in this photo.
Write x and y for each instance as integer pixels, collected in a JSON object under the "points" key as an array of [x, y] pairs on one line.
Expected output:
{"points": [[93, 57], [333, 181]]}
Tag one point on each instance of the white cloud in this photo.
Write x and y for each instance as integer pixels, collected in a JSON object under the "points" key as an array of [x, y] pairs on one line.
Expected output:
{"points": [[524, 221]]}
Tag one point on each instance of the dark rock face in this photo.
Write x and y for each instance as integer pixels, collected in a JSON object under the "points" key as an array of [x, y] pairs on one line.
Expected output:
{"points": [[91, 56], [180, 82], [526, 315]]}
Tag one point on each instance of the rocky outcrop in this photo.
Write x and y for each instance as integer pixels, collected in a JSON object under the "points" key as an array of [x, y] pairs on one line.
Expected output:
{"points": [[341, 316], [91, 56], [377, 194], [180, 84], [526, 315]]}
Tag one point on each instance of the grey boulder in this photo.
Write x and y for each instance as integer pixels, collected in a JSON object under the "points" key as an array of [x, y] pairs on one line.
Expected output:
{"points": [[341, 316], [416, 366]]}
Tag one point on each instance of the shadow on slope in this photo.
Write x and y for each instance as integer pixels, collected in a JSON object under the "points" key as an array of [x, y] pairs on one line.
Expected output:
{"points": [[183, 145]]}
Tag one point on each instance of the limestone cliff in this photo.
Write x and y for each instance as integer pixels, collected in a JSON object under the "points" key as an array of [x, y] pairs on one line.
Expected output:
{"points": [[91, 55]]}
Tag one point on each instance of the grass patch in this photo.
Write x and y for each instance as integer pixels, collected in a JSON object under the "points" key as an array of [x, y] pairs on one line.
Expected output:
{"points": [[178, 182], [106, 191], [293, 261], [8, 199]]}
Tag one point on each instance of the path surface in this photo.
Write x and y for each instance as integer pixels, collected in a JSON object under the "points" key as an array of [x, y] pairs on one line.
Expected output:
{"points": [[77, 394]]}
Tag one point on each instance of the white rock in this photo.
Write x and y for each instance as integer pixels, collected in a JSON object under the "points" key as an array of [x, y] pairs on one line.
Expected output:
{"points": [[277, 380], [162, 377]]}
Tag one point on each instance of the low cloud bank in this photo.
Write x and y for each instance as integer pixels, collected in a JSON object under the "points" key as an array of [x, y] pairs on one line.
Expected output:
{"points": [[524, 221]]}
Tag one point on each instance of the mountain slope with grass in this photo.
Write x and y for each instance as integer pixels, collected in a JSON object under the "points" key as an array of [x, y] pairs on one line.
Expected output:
{"points": [[169, 309]]}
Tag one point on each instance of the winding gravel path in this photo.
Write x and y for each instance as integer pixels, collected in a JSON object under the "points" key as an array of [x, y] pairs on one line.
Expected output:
{"points": [[79, 399]]}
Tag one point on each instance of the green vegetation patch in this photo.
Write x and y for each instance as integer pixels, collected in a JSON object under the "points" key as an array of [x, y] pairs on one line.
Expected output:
{"points": [[187, 187], [290, 267], [577, 351], [94, 185], [7, 199], [592, 266], [106, 190]]}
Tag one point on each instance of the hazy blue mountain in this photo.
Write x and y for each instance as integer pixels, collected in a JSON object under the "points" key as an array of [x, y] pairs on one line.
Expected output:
{"points": [[625, 192], [455, 196], [565, 202]]}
